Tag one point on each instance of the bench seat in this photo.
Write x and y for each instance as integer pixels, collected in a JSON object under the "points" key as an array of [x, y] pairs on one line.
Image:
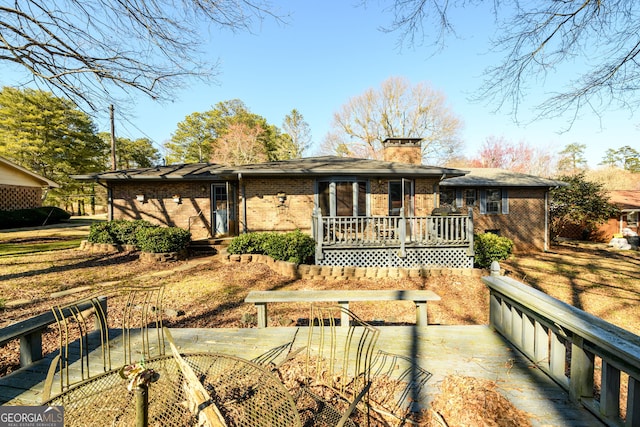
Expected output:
{"points": [[342, 297]]}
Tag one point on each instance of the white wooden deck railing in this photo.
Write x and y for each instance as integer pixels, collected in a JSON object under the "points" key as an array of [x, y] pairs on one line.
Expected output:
{"points": [[569, 345], [393, 231]]}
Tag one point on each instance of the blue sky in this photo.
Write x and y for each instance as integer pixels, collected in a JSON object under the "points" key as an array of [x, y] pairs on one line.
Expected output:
{"points": [[330, 51]]}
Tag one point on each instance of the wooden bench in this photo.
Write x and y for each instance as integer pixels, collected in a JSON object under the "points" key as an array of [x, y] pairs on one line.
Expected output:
{"points": [[342, 297], [29, 332]]}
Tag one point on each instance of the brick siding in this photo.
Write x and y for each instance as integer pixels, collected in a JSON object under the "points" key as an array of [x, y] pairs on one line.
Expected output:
{"points": [[193, 213], [524, 224], [13, 197], [265, 212]]}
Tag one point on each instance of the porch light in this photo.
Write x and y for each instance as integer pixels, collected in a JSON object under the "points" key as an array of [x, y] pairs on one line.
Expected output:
{"points": [[177, 198], [140, 197], [282, 197]]}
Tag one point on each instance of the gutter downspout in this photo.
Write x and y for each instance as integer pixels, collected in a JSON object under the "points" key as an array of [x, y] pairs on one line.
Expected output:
{"points": [[244, 203], [546, 221]]}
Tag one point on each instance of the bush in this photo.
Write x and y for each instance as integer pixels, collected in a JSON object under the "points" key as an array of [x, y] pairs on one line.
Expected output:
{"points": [[490, 247], [142, 234], [295, 246], [102, 232], [35, 217], [163, 239]]}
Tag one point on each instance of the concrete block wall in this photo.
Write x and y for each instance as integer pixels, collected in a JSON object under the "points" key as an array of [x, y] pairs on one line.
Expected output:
{"points": [[14, 197]]}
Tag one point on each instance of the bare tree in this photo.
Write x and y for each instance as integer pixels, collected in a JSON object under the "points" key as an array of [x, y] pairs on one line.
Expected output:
{"points": [[522, 157], [89, 51], [537, 38], [397, 109]]}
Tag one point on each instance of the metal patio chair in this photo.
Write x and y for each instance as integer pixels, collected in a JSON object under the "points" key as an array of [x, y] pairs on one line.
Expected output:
{"points": [[337, 367], [85, 340]]}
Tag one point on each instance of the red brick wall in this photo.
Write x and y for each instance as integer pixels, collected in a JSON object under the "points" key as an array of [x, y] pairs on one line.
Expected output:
{"points": [[264, 211], [524, 224], [159, 207], [13, 197]]}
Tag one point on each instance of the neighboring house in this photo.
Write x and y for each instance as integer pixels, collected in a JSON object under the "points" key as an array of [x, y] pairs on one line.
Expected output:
{"points": [[361, 212], [506, 203], [628, 202], [21, 188]]}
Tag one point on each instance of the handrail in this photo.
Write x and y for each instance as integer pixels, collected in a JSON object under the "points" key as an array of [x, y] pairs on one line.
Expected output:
{"points": [[564, 342]]}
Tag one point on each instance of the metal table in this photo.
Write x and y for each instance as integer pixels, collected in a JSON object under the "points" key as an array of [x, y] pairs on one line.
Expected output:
{"points": [[245, 393]]}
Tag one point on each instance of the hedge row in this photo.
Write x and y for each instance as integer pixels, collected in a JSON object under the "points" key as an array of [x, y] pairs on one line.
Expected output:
{"points": [[35, 217], [294, 246], [142, 234]]}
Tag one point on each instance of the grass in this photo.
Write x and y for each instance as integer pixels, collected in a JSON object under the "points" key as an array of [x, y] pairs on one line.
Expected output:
{"points": [[7, 249]]}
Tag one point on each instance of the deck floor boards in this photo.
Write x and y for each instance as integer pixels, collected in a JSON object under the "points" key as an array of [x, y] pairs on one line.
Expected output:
{"points": [[439, 351]]}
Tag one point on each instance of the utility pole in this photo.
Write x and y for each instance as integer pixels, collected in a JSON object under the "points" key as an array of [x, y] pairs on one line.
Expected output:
{"points": [[113, 139]]}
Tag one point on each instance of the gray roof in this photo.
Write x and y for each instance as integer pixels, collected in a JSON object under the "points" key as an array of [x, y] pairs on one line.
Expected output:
{"points": [[493, 177], [314, 166]]}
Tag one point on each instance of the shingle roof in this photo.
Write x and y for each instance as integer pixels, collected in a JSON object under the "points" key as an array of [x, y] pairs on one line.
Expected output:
{"points": [[315, 166], [490, 177], [625, 200]]}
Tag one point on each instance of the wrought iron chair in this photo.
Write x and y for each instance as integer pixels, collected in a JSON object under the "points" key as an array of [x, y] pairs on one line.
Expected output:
{"points": [[84, 335], [337, 367]]}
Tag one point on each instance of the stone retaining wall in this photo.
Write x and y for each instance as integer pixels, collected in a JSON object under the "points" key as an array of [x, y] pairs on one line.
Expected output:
{"points": [[303, 271]]}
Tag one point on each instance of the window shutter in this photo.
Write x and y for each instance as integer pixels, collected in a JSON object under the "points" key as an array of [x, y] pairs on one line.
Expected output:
{"points": [[459, 203], [505, 201], [483, 201]]}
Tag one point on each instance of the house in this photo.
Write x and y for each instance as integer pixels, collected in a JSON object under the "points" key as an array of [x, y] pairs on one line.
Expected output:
{"points": [[361, 212], [21, 188], [506, 203], [628, 203]]}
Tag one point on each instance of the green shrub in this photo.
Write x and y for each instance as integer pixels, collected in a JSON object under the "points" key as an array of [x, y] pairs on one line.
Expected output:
{"points": [[490, 247], [102, 232], [35, 217], [126, 232], [294, 246], [163, 239]]}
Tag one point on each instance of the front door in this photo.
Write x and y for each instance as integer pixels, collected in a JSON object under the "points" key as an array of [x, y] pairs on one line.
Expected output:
{"points": [[220, 209]]}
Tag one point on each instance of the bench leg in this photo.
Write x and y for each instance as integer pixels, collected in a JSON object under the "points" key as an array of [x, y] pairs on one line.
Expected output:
{"points": [[344, 315], [262, 314], [421, 313], [30, 348]]}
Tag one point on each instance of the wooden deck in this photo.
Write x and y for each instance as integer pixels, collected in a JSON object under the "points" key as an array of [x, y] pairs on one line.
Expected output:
{"points": [[438, 350]]}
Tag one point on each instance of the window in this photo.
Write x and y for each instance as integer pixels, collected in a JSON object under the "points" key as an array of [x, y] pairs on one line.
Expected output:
{"points": [[494, 201], [469, 197], [342, 198], [400, 197], [632, 219], [447, 197]]}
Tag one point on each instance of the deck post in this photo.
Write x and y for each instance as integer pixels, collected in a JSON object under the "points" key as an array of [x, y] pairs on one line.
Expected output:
{"points": [[402, 234], [318, 232], [581, 384]]}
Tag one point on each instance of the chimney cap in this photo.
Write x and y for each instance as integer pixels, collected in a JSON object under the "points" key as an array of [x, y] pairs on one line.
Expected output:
{"points": [[401, 141]]}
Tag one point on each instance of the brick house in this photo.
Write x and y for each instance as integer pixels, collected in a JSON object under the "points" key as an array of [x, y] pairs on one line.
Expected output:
{"points": [[628, 202], [506, 203], [21, 188], [360, 211]]}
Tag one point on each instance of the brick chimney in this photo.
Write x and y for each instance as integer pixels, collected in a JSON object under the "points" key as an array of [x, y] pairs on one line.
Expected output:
{"points": [[404, 150]]}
